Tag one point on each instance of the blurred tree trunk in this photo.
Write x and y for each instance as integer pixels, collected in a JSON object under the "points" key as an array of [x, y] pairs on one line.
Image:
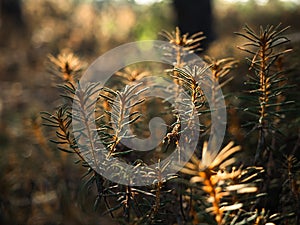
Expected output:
{"points": [[11, 10], [194, 16], [13, 38], [12, 25]]}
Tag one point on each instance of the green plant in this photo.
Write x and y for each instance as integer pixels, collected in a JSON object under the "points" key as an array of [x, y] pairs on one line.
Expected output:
{"points": [[214, 188], [268, 104], [267, 84]]}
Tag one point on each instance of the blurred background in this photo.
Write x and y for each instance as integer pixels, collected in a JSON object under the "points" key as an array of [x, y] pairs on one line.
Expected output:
{"points": [[39, 184]]}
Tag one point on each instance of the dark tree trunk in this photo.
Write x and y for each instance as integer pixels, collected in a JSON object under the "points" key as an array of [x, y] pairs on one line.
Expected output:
{"points": [[11, 10], [194, 16]]}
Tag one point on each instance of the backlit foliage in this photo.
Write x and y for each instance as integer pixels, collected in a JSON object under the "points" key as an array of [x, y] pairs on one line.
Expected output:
{"points": [[214, 187]]}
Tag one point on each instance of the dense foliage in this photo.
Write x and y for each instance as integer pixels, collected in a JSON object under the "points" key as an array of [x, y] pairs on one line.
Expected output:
{"points": [[213, 188]]}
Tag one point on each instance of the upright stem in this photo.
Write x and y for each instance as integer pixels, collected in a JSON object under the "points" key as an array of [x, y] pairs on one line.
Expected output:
{"points": [[263, 100], [263, 86]]}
